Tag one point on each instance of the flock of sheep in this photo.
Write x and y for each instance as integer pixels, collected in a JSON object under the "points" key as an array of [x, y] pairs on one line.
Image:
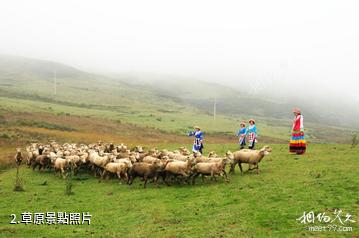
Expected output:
{"points": [[107, 159]]}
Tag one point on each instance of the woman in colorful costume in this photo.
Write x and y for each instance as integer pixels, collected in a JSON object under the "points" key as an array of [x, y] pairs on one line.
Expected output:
{"points": [[242, 133], [297, 142], [198, 139], [252, 134]]}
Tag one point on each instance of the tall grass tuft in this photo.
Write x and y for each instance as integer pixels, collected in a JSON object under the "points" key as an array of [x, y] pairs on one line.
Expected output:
{"points": [[18, 182], [355, 141], [69, 174]]}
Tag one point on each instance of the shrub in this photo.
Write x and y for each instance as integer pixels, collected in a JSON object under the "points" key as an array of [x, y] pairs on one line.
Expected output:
{"points": [[355, 140]]}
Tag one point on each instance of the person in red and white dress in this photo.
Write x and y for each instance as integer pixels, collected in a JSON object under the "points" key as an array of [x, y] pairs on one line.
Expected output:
{"points": [[297, 143]]}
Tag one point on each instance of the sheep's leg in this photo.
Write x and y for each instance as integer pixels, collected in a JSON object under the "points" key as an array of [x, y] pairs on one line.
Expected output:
{"points": [[249, 168], [225, 175], [194, 178], [63, 173], [214, 176], [231, 171], [119, 176], [129, 181], [257, 169], [163, 176], [155, 181], [125, 178], [103, 174], [144, 185], [240, 167], [165, 179], [202, 178]]}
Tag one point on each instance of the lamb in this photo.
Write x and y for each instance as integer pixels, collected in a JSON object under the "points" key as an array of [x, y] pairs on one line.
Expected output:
{"points": [[251, 157]]}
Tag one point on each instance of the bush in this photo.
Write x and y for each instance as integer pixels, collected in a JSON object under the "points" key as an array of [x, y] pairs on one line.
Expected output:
{"points": [[42, 124], [5, 136], [355, 140]]}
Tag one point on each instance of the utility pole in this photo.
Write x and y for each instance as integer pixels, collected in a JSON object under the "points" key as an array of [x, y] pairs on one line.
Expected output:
{"points": [[55, 81], [214, 108]]}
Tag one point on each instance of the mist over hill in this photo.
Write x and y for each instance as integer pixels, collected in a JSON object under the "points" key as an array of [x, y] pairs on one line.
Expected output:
{"points": [[25, 76], [269, 102]]}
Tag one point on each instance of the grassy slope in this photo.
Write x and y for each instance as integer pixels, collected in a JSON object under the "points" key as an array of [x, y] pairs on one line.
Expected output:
{"points": [[263, 205], [26, 85]]}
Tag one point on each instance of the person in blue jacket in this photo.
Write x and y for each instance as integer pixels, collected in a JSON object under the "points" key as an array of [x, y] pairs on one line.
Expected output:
{"points": [[252, 134], [198, 139], [242, 133]]}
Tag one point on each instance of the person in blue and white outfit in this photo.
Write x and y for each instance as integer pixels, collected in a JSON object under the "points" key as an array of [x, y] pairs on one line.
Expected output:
{"points": [[198, 139], [242, 133], [252, 134]]}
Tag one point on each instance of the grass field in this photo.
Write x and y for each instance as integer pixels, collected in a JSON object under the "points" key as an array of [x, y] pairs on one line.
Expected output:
{"points": [[250, 205], [87, 108]]}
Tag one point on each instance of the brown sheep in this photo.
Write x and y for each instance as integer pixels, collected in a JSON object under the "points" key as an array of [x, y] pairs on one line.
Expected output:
{"points": [[144, 170], [41, 160]]}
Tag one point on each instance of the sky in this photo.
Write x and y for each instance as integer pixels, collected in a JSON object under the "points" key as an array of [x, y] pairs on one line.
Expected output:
{"points": [[277, 46]]}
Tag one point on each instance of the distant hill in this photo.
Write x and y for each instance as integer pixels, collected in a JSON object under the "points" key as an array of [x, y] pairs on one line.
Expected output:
{"points": [[231, 101], [162, 102]]}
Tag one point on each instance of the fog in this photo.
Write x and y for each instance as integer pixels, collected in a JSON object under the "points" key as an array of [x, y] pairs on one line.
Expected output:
{"points": [[281, 47]]}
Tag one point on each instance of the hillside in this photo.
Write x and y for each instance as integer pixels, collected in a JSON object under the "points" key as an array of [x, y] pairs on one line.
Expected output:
{"points": [[27, 85], [247, 101]]}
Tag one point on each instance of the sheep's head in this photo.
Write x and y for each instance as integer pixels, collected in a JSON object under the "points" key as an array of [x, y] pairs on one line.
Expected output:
{"points": [[265, 150], [229, 155], [139, 149], [212, 154], [268, 148], [197, 154]]}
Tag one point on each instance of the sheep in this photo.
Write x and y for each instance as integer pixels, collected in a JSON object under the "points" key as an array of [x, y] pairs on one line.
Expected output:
{"points": [[119, 168], [98, 162], [144, 170], [41, 160], [177, 167], [251, 157], [150, 159], [212, 154], [60, 164], [184, 151], [209, 168], [32, 153], [177, 156], [127, 161]]}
